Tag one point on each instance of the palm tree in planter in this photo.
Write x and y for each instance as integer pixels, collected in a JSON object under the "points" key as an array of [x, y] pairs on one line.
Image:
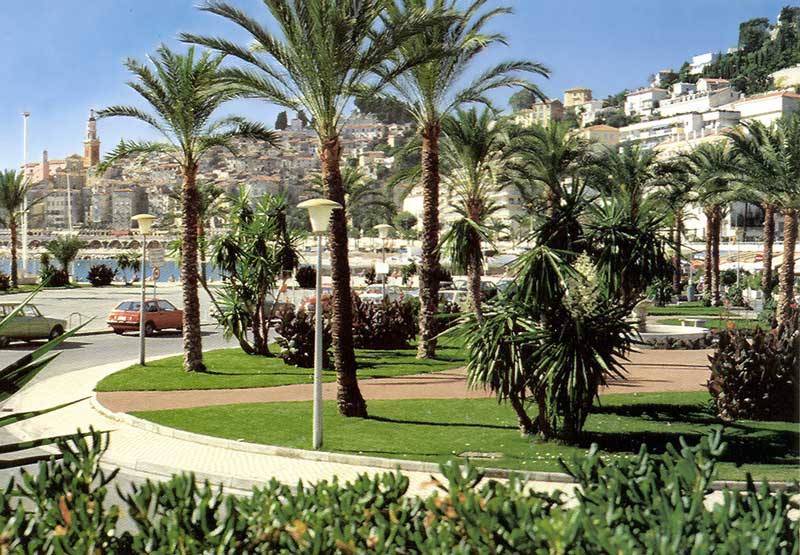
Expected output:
{"points": [[710, 166], [475, 148], [328, 53], [184, 91], [772, 156], [433, 90], [65, 250], [13, 190]]}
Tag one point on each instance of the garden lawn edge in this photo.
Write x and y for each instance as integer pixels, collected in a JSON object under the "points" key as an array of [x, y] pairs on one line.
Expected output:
{"points": [[362, 460]]}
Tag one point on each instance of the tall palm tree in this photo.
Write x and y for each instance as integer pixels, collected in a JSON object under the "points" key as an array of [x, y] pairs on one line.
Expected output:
{"points": [[630, 176], [772, 157], [363, 196], [433, 90], [183, 92], [675, 195], [549, 157], [474, 149], [210, 206], [710, 166], [327, 53], [13, 190]]}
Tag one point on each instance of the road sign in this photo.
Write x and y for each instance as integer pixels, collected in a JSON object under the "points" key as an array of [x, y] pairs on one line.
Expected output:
{"points": [[156, 257], [381, 268], [156, 273]]}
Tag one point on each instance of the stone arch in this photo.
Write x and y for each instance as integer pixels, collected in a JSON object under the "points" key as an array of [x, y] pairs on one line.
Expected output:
{"points": [[115, 244], [154, 244], [95, 244], [34, 244], [134, 244]]}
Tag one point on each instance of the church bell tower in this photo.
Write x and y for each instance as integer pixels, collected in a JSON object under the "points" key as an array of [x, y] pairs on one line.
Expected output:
{"points": [[91, 146]]}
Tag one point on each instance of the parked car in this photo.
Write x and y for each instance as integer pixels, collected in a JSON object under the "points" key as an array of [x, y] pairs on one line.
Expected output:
{"points": [[159, 315], [29, 324], [308, 304], [455, 296], [374, 293]]}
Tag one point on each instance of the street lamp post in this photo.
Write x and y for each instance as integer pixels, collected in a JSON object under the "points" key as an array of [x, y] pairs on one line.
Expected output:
{"points": [[25, 116], [383, 233], [145, 223], [319, 212]]}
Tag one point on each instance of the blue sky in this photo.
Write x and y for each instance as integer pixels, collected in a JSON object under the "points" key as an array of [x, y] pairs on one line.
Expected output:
{"points": [[62, 57]]}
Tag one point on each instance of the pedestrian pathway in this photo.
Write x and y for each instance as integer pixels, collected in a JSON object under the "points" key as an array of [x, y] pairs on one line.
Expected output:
{"points": [[648, 371]]}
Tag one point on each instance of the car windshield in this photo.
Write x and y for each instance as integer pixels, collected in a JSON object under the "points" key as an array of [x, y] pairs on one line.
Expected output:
{"points": [[128, 306]]}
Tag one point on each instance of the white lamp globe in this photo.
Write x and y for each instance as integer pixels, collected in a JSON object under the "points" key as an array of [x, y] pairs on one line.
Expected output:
{"points": [[319, 212]]}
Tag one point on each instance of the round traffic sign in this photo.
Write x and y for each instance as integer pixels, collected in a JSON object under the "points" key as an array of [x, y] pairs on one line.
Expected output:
{"points": [[156, 273]]}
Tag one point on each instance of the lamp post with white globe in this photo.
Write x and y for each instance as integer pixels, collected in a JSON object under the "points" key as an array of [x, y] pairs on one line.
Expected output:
{"points": [[319, 212], [145, 222], [383, 233]]}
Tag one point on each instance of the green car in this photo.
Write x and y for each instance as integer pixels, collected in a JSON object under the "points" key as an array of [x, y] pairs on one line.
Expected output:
{"points": [[29, 324]]}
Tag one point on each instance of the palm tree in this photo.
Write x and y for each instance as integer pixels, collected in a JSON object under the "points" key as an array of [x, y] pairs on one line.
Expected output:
{"points": [[13, 190], [548, 159], [675, 194], [631, 175], [710, 167], [433, 90], [65, 250], [771, 156], [474, 148], [328, 51], [184, 91], [210, 207], [367, 203]]}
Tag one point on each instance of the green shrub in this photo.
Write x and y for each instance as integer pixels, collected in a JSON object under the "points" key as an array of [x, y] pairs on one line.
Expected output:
{"points": [[756, 378], [648, 505], [370, 276], [100, 275], [384, 325], [296, 337], [660, 292], [54, 277], [768, 311], [5, 281], [727, 277], [408, 271], [734, 296], [306, 277]]}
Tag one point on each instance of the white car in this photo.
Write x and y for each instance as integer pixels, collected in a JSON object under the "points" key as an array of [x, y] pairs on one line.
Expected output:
{"points": [[374, 293]]}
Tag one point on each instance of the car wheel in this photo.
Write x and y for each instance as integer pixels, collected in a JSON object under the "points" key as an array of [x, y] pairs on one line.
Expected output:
{"points": [[149, 329], [4, 341], [55, 332]]}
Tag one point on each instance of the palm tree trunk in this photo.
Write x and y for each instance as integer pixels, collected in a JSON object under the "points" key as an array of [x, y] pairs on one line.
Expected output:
{"points": [[677, 273], [790, 222], [192, 341], [474, 278], [526, 425], [348, 394], [708, 269], [201, 242], [769, 242], [429, 266], [12, 225], [715, 254]]}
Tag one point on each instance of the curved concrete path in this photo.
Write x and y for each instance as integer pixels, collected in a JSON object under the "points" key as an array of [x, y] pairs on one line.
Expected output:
{"points": [[648, 371]]}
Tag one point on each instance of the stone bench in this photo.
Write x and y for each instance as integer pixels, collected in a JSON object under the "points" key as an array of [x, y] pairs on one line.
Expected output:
{"points": [[693, 322]]}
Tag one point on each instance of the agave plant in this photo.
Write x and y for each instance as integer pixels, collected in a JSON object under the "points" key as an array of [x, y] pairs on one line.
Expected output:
{"points": [[14, 377]]}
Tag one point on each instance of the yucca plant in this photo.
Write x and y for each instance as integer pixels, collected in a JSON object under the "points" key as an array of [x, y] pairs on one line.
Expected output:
{"points": [[14, 377]]}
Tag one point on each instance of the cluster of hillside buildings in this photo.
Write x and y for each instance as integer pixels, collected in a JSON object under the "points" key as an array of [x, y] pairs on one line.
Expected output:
{"points": [[72, 192], [671, 120]]}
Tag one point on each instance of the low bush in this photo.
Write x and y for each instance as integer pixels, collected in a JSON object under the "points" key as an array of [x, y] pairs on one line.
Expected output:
{"points": [[54, 277], [101, 275], [5, 281], [296, 337], [370, 276], [756, 377], [640, 506], [734, 296], [384, 325], [660, 292], [408, 271], [306, 277]]}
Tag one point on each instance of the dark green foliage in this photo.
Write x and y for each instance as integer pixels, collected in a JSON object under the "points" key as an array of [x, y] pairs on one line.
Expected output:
{"points": [[757, 377], [5, 281], [522, 99], [734, 296], [407, 271], [753, 34], [54, 277], [727, 277], [296, 337], [660, 292], [386, 108], [100, 275], [648, 505], [767, 314], [306, 277], [384, 325], [370, 276], [281, 121]]}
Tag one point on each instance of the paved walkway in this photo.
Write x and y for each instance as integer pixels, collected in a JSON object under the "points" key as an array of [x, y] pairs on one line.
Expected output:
{"points": [[648, 371]]}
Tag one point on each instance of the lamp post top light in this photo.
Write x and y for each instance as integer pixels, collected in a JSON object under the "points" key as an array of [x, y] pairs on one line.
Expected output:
{"points": [[319, 212], [383, 230], [145, 222]]}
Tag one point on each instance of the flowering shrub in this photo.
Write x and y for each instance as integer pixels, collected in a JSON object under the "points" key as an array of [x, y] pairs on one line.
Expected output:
{"points": [[296, 337]]}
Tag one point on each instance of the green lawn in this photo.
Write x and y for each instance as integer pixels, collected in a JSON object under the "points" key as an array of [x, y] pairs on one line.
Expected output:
{"points": [[720, 323], [233, 369], [694, 308], [438, 430]]}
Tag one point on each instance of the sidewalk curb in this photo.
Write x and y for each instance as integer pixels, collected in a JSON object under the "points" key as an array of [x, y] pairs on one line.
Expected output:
{"points": [[322, 456]]}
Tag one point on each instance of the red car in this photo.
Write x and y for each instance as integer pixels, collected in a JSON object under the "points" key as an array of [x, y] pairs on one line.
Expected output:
{"points": [[159, 315]]}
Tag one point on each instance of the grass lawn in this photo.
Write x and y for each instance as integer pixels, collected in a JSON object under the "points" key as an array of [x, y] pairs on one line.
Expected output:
{"points": [[233, 369], [694, 308], [720, 323], [439, 430]]}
